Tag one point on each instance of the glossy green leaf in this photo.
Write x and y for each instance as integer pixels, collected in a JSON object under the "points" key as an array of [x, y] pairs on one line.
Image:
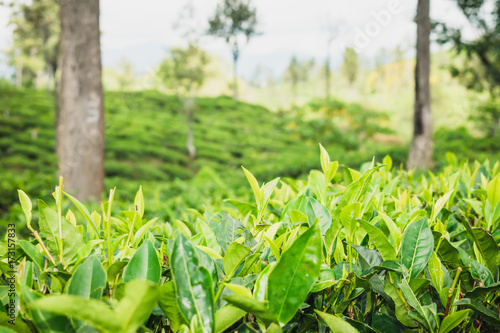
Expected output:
{"points": [[136, 306], [439, 205], [214, 255], [115, 269], [367, 258], [274, 328], [193, 283], [257, 308], [89, 279], [356, 190], [32, 252], [488, 314], [452, 321], [480, 291], [18, 326], [243, 207], [96, 312], [274, 248], [387, 160], [417, 247], [238, 289], [320, 212], [336, 324], [254, 184], [168, 304], [349, 215], [360, 326], [393, 229], [139, 235], [428, 320], [412, 301], [209, 236], [436, 272], [380, 240], [144, 265], [227, 317], [493, 191], [235, 255], [49, 226], [46, 322], [311, 208], [139, 202], [481, 272], [485, 244], [85, 212], [260, 289], [295, 274], [133, 309], [385, 323], [26, 205], [226, 231], [267, 191], [296, 216], [401, 309]]}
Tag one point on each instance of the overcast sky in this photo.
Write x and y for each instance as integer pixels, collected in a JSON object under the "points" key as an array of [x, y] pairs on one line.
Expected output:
{"points": [[142, 31]]}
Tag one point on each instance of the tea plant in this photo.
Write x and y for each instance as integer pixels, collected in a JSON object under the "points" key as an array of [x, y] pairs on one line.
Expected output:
{"points": [[374, 250]]}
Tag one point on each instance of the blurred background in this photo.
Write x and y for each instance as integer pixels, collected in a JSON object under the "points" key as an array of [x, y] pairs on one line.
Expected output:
{"points": [[193, 89]]}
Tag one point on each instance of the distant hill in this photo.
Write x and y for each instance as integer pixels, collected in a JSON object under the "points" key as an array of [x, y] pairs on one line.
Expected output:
{"points": [[146, 135]]}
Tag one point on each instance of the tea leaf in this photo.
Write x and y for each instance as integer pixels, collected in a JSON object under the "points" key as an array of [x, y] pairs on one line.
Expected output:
{"points": [[377, 236], [452, 321], [295, 274], [193, 283], [144, 265], [168, 304], [336, 324], [417, 246], [235, 255], [89, 279]]}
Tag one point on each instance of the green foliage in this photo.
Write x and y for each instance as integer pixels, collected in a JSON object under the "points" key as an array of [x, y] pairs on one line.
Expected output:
{"points": [[350, 65], [145, 141], [232, 19], [425, 259], [297, 72], [481, 70], [35, 46], [184, 70]]}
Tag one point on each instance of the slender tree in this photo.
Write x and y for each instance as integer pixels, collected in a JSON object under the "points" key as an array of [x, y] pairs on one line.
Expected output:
{"points": [[235, 21], [420, 155], [184, 72], [81, 123], [293, 74], [297, 72], [350, 65]]}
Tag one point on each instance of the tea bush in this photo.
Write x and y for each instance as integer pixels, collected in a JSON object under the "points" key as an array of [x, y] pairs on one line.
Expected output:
{"points": [[377, 249]]}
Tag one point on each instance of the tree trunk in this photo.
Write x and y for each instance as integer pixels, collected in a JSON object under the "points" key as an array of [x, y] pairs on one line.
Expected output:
{"points": [[81, 118], [420, 155]]}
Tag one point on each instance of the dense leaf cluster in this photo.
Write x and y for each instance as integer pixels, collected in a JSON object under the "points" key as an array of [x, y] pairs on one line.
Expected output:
{"points": [[374, 250]]}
